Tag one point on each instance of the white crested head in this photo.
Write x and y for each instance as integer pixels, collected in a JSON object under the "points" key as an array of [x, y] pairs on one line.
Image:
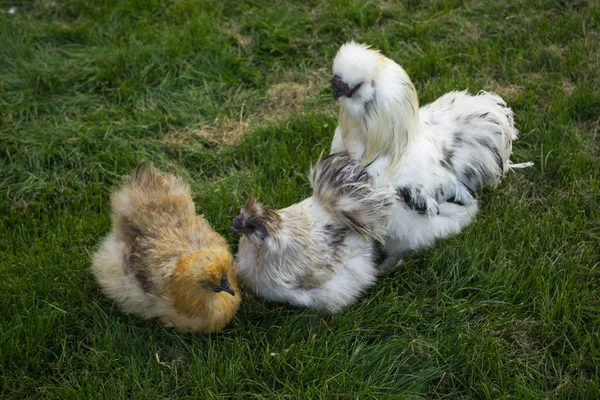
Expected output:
{"points": [[355, 68], [379, 103], [356, 63]]}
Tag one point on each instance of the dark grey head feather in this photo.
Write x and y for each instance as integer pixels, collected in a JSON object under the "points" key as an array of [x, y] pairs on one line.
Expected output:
{"points": [[256, 218]]}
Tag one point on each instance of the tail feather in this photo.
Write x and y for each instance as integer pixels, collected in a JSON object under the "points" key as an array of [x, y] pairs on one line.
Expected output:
{"points": [[482, 131], [149, 196], [521, 165], [343, 187], [508, 131], [149, 179]]}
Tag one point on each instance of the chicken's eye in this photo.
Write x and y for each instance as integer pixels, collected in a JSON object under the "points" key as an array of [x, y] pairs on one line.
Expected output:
{"points": [[264, 233]]}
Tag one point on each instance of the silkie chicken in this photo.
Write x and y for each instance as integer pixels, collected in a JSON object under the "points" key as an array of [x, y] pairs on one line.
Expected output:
{"points": [[436, 157], [161, 260], [318, 253]]}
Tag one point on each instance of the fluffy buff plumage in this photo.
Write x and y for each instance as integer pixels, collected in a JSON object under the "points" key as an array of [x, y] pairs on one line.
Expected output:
{"points": [[436, 157], [317, 253], [163, 261]]}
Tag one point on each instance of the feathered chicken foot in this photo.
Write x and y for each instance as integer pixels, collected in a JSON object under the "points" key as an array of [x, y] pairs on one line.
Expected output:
{"points": [[391, 263]]}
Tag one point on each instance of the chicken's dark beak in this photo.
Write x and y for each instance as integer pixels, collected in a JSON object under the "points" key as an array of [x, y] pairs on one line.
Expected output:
{"points": [[224, 286], [340, 88], [238, 224]]}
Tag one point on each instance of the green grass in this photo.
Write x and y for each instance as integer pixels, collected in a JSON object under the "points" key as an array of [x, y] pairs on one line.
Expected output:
{"points": [[507, 309]]}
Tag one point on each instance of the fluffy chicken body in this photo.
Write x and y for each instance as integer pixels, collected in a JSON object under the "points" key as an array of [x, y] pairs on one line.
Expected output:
{"points": [[317, 253], [161, 260], [436, 157]]}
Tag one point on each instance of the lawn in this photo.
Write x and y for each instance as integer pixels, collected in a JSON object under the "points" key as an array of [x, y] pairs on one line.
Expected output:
{"points": [[234, 97]]}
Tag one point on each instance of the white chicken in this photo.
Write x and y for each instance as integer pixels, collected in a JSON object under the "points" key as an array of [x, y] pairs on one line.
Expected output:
{"points": [[436, 157], [318, 253]]}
